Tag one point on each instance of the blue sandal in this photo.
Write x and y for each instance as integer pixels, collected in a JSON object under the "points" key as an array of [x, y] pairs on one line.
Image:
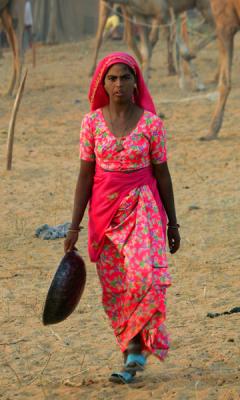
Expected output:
{"points": [[122, 377], [135, 362]]}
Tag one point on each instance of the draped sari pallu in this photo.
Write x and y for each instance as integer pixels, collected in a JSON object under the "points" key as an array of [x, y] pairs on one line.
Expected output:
{"points": [[127, 239]]}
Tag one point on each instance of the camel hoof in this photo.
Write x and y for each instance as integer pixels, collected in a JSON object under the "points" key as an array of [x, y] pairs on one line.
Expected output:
{"points": [[208, 138]]}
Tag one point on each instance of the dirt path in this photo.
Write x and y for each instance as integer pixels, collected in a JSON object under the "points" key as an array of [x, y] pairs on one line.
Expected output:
{"points": [[73, 360]]}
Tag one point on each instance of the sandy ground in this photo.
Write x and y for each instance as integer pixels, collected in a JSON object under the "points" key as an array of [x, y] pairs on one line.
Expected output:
{"points": [[73, 359]]}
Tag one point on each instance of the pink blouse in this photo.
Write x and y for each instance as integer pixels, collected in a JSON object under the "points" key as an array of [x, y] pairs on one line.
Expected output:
{"points": [[144, 145]]}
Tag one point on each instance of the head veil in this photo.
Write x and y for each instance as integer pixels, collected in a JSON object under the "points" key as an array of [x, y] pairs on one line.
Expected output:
{"points": [[97, 95]]}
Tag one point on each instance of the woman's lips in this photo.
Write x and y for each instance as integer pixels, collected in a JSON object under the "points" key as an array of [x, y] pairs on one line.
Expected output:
{"points": [[120, 94]]}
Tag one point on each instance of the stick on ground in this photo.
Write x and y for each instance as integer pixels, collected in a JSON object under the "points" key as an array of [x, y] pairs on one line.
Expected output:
{"points": [[13, 121]]}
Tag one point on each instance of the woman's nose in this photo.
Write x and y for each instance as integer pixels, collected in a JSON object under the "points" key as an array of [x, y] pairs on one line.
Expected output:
{"points": [[119, 82]]}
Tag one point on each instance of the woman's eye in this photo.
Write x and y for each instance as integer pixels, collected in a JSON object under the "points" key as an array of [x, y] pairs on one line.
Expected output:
{"points": [[122, 78]]}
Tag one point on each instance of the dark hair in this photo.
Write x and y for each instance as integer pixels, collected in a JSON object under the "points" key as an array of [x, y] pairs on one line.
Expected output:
{"points": [[129, 68], [132, 71]]}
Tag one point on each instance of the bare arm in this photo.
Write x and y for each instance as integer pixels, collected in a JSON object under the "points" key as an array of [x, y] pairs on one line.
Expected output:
{"points": [[82, 195], [83, 191], [164, 183]]}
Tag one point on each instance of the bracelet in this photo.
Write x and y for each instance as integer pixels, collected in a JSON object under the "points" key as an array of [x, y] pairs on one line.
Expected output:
{"points": [[173, 226], [75, 229]]}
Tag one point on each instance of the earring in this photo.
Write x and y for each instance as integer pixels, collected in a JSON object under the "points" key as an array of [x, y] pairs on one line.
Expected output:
{"points": [[135, 89]]}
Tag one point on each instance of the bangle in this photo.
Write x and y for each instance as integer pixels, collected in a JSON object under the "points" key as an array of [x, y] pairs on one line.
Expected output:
{"points": [[78, 229], [173, 226]]}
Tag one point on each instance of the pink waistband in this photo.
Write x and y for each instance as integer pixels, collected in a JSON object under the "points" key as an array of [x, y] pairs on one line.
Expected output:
{"points": [[109, 189]]}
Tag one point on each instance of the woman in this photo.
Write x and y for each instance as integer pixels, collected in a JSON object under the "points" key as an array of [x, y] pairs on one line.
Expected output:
{"points": [[124, 176]]}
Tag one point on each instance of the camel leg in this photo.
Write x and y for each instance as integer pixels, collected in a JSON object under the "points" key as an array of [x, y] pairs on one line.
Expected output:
{"points": [[184, 34], [186, 66], [129, 36], [8, 27], [171, 40], [180, 62], [226, 57], [183, 52], [146, 50], [154, 37], [170, 36], [180, 72], [188, 55], [199, 85], [104, 12], [201, 45], [125, 16], [154, 33]]}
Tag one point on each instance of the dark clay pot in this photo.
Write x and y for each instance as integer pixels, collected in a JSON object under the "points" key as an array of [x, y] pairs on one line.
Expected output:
{"points": [[66, 289]]}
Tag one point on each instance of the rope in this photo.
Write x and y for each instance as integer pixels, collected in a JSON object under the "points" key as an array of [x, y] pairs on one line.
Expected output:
{"points": [[212, 96], [131, 19], [191, 28]]}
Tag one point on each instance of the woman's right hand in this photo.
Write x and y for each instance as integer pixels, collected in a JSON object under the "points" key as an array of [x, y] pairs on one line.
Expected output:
{"points": [[70, 241]]}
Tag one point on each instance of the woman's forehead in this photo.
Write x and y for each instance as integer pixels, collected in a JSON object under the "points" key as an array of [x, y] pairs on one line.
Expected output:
{"points": [[118, 69]]}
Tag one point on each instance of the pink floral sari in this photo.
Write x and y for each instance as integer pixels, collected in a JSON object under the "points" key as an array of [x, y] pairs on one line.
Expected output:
{"points": [[127, 237]]}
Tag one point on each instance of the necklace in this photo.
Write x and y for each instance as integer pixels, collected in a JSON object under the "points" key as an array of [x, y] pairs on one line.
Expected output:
{"points": [[119, 140], [119, 144]]}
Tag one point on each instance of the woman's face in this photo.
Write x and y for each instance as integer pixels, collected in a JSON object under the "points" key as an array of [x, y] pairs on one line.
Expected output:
{"points": [[119, 83]]}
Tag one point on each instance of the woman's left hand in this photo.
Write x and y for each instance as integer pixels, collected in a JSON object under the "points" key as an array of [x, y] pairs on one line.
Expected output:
{"points": [[173, 239]]}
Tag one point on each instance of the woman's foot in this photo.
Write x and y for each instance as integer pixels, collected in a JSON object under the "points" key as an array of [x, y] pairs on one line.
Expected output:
{"points": [[134, 359], [135, 363], [123, 377]]}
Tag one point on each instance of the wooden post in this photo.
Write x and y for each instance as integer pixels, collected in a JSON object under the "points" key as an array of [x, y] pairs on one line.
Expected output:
{"points": [[13, 121]]}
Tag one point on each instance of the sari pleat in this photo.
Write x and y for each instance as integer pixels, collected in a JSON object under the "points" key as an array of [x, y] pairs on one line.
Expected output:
{"points": [[133, 272]]}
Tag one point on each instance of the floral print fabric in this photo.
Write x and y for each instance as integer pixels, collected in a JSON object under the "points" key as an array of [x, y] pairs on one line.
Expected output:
{"points": [[132, 267], [146, 144], [133, 273]]}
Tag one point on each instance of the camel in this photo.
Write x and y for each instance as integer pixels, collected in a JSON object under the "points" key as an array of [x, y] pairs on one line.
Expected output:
{"points": [[160, 13], [6, 9], [227, 18], [105, 9]]}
